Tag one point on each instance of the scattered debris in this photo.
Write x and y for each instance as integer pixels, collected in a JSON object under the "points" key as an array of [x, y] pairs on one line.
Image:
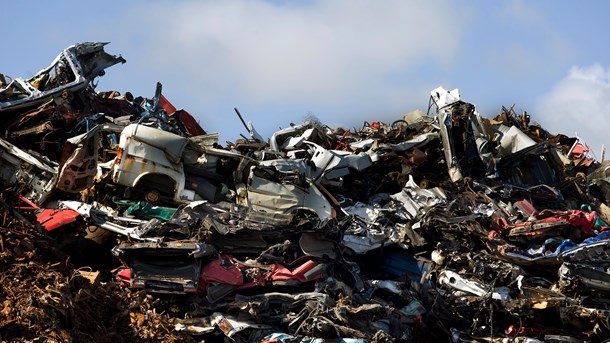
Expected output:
{"points": [[123, 220]]}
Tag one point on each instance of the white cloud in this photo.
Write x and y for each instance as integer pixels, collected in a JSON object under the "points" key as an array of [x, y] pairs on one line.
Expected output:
{"points": [[579, 104], [333, 54], [314, 52]]}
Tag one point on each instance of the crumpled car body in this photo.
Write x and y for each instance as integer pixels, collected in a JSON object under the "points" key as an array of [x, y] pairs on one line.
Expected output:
{"points": [[464, 142], [331, 165], [79, 168], [51, 219], [164, 267], [533, 165], [72, 70], [37, 173], [292, 137], [284, 197], [593, 250], [571, 275], [225, 275]]}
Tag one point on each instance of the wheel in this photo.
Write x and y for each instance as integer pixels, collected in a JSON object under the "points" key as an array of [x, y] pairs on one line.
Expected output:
{"points": [[153, 196]]}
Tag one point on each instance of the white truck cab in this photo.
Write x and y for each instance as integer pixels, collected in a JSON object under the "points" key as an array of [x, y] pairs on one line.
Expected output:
{"points": [[149, 161]]}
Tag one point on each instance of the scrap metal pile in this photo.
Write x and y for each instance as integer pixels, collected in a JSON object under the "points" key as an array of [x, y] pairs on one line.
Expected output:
{"points": [[124, 220]]}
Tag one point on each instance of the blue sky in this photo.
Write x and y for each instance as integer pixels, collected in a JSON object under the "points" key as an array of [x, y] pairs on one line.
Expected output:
{"points": [[343, 61]]}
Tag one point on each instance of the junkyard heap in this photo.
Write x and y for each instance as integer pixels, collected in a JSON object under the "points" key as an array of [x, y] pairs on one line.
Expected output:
{"points": [[123, 220]]}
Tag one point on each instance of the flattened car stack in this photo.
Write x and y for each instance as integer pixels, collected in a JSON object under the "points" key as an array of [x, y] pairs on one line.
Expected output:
{"points": [[444, 225]]}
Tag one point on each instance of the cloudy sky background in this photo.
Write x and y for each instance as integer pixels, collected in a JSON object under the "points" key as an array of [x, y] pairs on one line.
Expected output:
{"points": [[343, 61]]}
